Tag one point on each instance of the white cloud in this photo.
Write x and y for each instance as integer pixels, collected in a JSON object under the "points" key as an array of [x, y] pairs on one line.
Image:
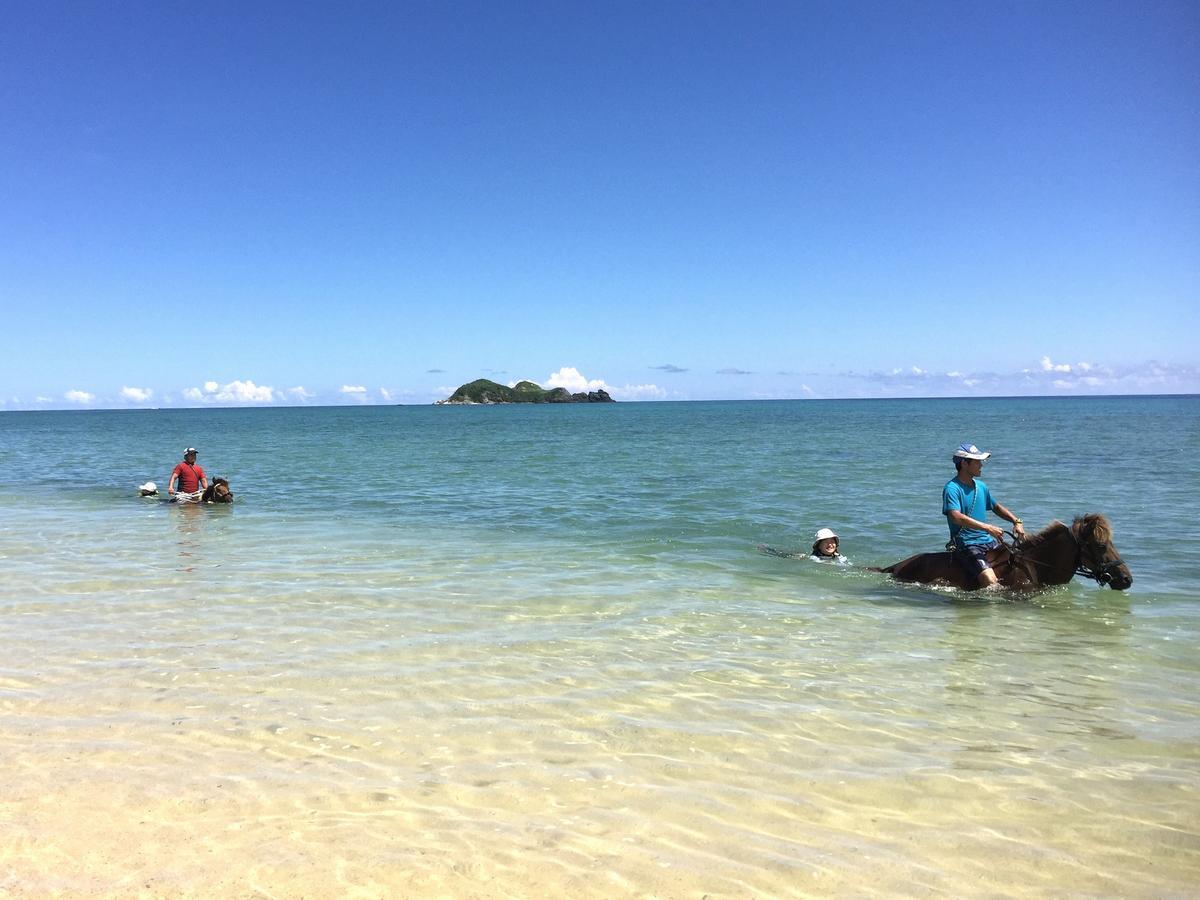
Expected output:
{"points": [[1046, 376], [385, 394], [576, 382], [1048, 366], [137, 394], [245, 392], [41, 399], [570, 378], [300, 393], [355, 392], [233, 392], [79, 396], [637, 392]]}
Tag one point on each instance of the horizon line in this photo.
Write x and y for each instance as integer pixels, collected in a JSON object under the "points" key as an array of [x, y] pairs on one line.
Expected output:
{"points": [[263, 406]]}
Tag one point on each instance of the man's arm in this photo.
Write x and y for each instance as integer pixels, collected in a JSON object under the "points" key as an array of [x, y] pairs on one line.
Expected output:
{"points": [[962, 520], [174, 478], [1003, 512]]}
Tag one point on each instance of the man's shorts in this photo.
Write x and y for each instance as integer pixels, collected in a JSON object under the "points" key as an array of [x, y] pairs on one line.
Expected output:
{"points": [[973, 557]]}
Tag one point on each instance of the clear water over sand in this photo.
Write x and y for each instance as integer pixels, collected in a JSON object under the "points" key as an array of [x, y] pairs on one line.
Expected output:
{"points": [[534, 651]]}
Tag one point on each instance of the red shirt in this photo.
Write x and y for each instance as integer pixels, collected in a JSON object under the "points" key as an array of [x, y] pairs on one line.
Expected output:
{"points": [[189, 477]]}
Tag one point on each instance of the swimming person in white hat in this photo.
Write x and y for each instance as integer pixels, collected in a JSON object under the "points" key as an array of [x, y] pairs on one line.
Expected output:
{"points": [[824, 549], [965, 504], [825, 546]]}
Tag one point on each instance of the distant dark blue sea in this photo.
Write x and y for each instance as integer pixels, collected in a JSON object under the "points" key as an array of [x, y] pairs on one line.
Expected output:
{"points": [[537, 651]]}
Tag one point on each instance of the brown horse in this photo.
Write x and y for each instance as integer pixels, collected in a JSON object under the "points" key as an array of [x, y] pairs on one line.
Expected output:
{"points": [[1053, 556], [217, 492]]}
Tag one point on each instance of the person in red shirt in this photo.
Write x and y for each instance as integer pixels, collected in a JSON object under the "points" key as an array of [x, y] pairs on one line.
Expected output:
{"points": [[190, 476]]}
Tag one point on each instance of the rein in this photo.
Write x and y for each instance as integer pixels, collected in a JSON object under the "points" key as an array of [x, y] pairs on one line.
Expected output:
{"points": [[1101, 574]]}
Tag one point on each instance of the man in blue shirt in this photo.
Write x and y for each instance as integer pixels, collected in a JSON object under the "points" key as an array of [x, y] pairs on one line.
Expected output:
{"points": [[965, 504]]}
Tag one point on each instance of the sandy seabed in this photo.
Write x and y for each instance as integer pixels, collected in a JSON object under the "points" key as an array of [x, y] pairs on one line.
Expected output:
{"points": [[114, 816]]}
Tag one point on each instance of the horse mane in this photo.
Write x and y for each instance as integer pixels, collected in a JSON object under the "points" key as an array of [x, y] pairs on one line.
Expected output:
{"points": [[1044, 535], [1101, 530], [1096, 524]]}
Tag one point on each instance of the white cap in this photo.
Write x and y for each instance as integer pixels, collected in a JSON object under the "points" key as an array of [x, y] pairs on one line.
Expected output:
{"points": [[149, 488], [969, 451], [825, 534]]}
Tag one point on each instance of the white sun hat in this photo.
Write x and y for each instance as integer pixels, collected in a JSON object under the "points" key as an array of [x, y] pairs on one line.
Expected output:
{"points": [[148, 488], [969, 451], [825, 534]]}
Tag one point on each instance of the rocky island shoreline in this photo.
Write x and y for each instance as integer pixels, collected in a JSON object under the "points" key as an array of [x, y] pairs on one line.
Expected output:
{"points": [[485, 392]]}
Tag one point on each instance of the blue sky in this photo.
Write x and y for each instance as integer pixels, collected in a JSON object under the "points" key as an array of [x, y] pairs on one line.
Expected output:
{"points": [[281, 203]]}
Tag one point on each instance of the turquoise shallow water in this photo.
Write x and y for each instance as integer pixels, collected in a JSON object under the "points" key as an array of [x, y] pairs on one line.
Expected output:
{"points": [[518, 651]]}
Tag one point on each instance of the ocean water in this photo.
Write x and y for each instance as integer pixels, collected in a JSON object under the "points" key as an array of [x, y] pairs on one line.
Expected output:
{"points": [[535, 651]]}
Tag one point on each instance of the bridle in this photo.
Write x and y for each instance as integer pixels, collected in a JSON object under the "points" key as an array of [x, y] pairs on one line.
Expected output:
{"points": [[1101, 573]]}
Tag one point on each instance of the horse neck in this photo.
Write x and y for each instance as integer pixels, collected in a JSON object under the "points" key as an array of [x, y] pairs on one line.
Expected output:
{"points": [[1055, 556]]}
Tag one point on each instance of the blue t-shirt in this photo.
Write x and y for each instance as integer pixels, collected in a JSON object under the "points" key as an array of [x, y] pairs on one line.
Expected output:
{"points": [[972, 501]]}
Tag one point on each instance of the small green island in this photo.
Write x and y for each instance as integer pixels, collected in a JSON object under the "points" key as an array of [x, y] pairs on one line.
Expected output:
{"points": [[482, 391]]}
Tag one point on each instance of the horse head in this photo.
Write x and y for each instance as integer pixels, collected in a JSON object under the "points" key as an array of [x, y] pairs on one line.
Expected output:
{"points": [[1098, 558], [218, 492]]}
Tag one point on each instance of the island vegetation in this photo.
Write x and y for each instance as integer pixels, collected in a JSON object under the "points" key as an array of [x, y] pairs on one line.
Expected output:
{"points": [[483, 391]]}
